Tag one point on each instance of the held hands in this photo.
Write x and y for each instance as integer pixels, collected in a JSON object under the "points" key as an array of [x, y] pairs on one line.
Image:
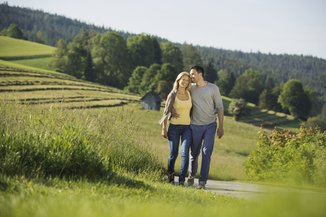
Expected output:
{"points": [[220, 132]]}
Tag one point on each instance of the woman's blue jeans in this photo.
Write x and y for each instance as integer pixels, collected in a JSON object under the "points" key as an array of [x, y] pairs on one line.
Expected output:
{"points": [[175, 133]]}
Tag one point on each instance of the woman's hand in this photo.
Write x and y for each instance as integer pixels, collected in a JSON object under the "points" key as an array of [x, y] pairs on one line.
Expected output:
{"points": [[164, 133]]}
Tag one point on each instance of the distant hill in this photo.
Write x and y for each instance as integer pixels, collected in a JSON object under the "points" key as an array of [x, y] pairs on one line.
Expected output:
{"points": [[12, 49], [48, 28]]}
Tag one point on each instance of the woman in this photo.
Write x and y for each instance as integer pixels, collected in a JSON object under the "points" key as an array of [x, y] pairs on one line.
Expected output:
{"points": [[178, 100]]}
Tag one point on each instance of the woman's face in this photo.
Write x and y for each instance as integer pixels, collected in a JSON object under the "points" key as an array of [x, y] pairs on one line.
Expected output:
{"points": [[184, 81]]}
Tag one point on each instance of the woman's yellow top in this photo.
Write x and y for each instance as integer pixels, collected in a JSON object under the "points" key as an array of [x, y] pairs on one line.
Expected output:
{"points": [[182, 107]]}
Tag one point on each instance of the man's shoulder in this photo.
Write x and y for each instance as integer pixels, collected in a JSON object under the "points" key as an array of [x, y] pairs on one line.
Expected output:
{"points": [[211, 85]]}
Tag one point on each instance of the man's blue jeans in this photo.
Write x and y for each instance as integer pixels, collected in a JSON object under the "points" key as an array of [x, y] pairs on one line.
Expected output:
{"points": [[202, 138], [175, 133]]}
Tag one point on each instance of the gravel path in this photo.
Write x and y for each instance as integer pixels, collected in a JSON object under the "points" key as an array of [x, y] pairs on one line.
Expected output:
{"points": [[250, 191]]}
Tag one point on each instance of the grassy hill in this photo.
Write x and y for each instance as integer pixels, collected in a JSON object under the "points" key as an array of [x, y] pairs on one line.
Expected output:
{"points": [[35, 87], [26, 52]]}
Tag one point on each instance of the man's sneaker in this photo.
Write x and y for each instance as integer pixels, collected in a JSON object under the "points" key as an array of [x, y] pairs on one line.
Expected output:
{"points": [[191, 181], [201, 185]]}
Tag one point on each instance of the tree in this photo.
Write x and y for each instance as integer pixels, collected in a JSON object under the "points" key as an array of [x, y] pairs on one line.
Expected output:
{"points": [[268, 100], [173, 55], [225, 82], [135, 79], [164, 79], [294, 99], [167, 72], [144, 50], [148, 81], [210, 72], [76, 56], [60, 56], [41, 37], [191, 56], [13, 31], [248, 86], [89, 70], [163, 88], [111, 59]]}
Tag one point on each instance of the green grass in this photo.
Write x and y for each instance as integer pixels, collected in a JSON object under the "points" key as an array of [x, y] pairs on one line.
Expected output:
{"points": [[15, 49], [42, 63], [140, 197]]}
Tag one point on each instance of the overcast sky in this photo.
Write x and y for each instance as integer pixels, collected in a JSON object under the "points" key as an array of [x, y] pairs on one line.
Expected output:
{"points": [[268, 26]]}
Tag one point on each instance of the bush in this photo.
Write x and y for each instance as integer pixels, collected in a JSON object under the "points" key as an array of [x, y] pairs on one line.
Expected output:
{"points": [[237, 108], [286, 155]]}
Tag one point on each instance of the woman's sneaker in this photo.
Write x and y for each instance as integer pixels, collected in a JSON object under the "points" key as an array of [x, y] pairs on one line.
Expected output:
{"points": [[169, 177], [191, 181]]}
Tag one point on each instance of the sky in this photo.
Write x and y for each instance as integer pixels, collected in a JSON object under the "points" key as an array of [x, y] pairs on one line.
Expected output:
{"points": [[266, 26]]}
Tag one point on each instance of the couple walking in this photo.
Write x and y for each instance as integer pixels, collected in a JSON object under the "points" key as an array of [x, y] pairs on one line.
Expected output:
{"points": [[190, 115]]}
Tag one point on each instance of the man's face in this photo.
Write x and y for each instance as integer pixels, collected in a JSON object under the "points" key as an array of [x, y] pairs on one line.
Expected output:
{"points": [[194, 75]]}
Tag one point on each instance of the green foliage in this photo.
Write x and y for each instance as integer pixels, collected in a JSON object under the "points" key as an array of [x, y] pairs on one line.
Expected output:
{"points": [[318, 121], [225, 81], [248, 86], [148, 82], [13, 31], [191, 56], [173, 55], [279, 67], [285, 155], [111, 59], [144, 50], [268, 99], [294, 99], [237, 108], [210, 72], [135, 79]]}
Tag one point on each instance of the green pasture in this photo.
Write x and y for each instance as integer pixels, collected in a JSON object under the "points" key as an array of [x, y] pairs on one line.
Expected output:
{"points": [[42, 63], [15, 49]]}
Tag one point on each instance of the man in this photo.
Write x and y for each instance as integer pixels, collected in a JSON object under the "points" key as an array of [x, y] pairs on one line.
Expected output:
{"points": [[207, 102]]}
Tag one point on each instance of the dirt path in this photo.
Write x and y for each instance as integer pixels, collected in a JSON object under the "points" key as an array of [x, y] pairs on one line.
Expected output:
{"points": [[250, 191]]}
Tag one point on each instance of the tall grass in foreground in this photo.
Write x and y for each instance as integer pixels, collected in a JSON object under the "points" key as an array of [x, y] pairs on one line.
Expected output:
{"points": [[70, 143], [54, 198]]}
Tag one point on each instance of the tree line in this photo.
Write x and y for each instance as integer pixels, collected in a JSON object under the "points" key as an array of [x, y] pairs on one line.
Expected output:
{"points": [[48, 28]]}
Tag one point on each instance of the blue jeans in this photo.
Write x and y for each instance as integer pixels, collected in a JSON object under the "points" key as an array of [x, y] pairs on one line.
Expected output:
{"points": [[175, 133], [202, 138]]}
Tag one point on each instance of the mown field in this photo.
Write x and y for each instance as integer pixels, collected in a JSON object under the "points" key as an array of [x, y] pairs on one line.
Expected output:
{"points": [[71, 147]]}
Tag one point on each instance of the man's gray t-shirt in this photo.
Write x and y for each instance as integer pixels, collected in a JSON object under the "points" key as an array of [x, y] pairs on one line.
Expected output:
{"points": [[206, 102]]}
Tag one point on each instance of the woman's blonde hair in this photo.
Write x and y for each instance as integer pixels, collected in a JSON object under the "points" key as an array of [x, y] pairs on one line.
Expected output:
{"points": [[176, 82]]}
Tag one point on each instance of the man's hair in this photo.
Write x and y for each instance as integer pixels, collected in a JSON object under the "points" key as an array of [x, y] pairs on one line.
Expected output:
{"points": [[199, 69]]}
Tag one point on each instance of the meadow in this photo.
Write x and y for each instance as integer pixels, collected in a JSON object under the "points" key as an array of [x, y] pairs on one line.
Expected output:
{"points": [[70, 147]]}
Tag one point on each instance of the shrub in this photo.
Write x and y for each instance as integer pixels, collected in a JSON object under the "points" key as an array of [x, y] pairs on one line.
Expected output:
{"points": [[285, 155], [237, 108]]}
